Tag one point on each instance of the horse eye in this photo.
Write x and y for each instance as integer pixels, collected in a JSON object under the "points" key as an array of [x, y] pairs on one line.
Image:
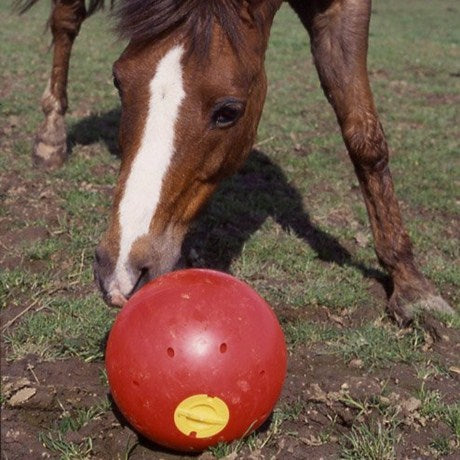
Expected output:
{"points": [[227, 114]]}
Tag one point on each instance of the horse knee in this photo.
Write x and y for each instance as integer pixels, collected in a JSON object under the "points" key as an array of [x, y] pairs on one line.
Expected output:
{"points": [[67, 17], [366, 142]]}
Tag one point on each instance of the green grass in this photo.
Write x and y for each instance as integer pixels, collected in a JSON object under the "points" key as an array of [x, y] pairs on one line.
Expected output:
{"points": [[441, 446], [67, 327], [369, 443], [43, 250], [18, 283], [255, 442], [375, 439], [80, 417], [433, 407], [293, 233], [377, 346], [452, 418], [55, 439], [67, 450], [303, 332]]}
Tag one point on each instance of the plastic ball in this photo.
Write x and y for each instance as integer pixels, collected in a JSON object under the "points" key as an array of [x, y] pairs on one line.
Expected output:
{"points": [[196, 357]]}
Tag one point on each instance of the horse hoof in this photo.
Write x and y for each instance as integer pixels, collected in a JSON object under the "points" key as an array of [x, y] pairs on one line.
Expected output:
{"points": [[49, 156], [405, 311]]}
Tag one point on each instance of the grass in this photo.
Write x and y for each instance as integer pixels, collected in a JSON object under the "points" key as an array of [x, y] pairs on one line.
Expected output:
{"points": [[302, 332], [18, 283], [377, 346], [369, 443], [433, 407], [67, 450], [441, 446], [452, 418], [67, 327], [291, 411], [43, 250], [80, 417], [291, 233], [375, 439], [252, 443], [55, 439]]}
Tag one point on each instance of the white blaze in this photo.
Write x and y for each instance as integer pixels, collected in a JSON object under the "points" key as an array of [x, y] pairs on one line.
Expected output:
{"points": [[143, 186]]}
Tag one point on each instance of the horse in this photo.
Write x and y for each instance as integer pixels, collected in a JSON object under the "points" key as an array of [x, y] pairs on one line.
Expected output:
{"points": [[192, 86]]}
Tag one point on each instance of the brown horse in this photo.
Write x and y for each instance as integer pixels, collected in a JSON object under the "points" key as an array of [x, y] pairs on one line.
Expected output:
{"points": [[192, 85]]}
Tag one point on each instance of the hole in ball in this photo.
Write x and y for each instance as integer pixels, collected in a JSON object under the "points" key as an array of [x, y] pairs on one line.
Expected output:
{"points": [[223, 347], [170, 352], [136, 383], [193, 434], [262, 373]]}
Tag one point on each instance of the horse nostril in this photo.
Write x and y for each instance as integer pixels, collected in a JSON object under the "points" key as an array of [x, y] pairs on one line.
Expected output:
{"points": [[144, 277], [102, 257], [102, 267]]}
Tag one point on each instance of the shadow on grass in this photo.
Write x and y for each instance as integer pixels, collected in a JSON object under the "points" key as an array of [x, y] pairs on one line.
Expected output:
{"points": [[243, 203], [96, 128], [239, 208]]}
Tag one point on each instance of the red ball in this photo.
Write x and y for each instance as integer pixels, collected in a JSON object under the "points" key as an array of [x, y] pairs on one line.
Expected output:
{"points": [[194, 358]]}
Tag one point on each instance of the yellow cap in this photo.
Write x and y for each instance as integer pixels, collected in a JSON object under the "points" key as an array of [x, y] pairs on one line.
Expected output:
{"points": [[201, 416]]}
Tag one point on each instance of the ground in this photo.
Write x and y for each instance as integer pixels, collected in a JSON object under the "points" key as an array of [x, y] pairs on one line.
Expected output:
{"points": [[291, 223]]}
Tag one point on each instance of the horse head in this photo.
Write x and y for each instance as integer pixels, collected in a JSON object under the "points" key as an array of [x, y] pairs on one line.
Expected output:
{"points": [[192, 86]]}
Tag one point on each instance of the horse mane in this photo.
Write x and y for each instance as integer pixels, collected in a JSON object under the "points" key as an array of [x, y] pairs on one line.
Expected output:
{"points": [[92, 5], [143, 20]]}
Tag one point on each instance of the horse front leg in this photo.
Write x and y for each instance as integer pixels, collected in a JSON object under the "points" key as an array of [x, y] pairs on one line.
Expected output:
{"points": [[50, 146], [339, 35]]}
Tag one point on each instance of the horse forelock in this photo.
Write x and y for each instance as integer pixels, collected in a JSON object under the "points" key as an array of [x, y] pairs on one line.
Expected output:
{"points": [[146, 20]]}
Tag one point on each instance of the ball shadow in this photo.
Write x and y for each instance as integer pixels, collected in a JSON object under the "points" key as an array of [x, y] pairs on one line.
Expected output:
{"points": [[143, 441], [159, 449]]}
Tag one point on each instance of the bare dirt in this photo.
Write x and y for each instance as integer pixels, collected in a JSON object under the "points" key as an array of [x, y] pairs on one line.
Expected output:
{"points": [[318, 380]]}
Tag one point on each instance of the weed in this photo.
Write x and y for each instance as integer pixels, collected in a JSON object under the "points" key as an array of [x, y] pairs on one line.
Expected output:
{"points": [[103, 377], [43, 250], [452, 418], [255, 441], [67, 328], [290, 411], [18, 283], [55, 440], [369, 443], [434, 408], [377, 346], [302, 332], [130, 446], [441, 445], [67, 450], [76, 420], [431, 404]]}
